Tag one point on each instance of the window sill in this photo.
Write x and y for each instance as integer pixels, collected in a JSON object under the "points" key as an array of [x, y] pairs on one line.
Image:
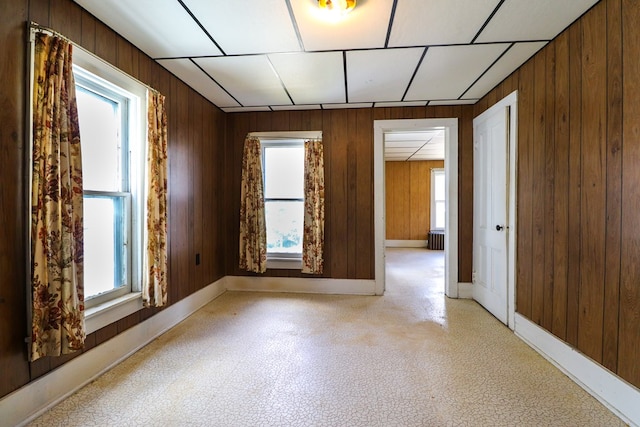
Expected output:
{"points": [[284, 263], [111, 311]]}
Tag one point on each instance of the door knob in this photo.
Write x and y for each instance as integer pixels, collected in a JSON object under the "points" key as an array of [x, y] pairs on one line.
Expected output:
{"points": [[499, 227]]}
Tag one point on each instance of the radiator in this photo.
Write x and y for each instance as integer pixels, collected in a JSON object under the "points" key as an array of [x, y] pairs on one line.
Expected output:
{"points": [[435, 240]]}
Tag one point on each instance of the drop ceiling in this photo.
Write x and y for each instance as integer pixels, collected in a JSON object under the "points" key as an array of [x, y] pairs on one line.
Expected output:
{"points": [[267, 55], [402, 146]]}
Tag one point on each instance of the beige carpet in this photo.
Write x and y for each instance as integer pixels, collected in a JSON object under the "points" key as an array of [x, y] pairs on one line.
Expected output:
{"points": [[409, 358]]}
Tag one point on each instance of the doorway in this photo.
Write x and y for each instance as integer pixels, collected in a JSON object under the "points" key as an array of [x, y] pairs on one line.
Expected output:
{"points": [[450, 126]]}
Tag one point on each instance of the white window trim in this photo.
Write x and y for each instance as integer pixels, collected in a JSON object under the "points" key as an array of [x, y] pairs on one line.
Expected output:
{"points": [[110, 311], [434, 172]]}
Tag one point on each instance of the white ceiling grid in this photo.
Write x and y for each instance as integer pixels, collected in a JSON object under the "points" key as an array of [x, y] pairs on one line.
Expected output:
{"points": [[268, 55]]}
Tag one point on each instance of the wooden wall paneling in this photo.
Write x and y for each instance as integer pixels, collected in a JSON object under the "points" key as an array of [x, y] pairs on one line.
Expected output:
{"points": [[106, 333], [195, 171], [106, 43], [364, 196], [39, 10], [575, 186], [353, 215], [318, 122], [524, 251], [614, 185], [561, 190], [465, 194], [549, 182], [234, 171], [14, 369], [179, 191], [539, 169], [295, 120], [88, 38], [419, 199], [280, 121], [337, 120], [629, 342], [127, 57], [393, 210], [66, 18], [208, 183], [128, 322], [594, 125]]}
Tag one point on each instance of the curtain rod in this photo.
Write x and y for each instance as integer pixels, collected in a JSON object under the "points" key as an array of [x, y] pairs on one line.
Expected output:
{"points": [[35, 27], [287, 135]]}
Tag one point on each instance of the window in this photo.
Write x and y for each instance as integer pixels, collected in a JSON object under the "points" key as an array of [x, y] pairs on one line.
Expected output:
{"points": [[438, 196], [111, 133], [283, 169]]}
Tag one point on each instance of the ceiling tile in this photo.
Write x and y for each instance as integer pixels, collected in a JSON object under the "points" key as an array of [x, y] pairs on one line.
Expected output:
{"points": [[518, 20], [447, 72], [453, 102], [312, 77], [187, 71], [160, 28], [242, 27], [380, 75], [431, 22], [364, 27], [350, 105], [295, 107], [244, 109], [250, 79], [511, 60], [401, 104]]}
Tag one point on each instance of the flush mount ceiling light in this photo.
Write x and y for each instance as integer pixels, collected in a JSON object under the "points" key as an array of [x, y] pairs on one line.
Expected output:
{"points": [[337, 6]]}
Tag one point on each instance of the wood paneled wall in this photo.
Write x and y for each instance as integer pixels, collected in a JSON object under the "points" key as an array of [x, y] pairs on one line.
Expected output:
{"points": [[348, 145], [578, 254], [196, 135], [408, 199]]}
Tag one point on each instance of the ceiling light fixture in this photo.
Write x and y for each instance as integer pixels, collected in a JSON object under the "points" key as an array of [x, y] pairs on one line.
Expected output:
{"points": [[337, 6]]}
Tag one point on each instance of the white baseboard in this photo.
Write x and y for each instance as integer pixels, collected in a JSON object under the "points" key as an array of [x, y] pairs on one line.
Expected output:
{"points": [[465, 290], [300, 285], [613, 392], [30, 401], [405, 243]]}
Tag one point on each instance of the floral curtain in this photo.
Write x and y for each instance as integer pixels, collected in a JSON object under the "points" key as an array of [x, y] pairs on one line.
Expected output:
{"points": [[154, 286], [56, 204], [253, 232], [313, 237]]}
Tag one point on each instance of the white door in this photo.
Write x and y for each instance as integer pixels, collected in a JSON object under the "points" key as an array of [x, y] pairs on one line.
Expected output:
{"points": [[490, 207]]}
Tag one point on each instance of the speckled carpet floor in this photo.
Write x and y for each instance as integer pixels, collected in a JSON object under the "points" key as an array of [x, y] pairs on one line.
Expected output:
{"points": [[409, 358]]}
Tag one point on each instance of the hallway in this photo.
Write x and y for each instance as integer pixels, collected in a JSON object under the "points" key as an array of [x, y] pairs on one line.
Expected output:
{"points": [[409, 358]]}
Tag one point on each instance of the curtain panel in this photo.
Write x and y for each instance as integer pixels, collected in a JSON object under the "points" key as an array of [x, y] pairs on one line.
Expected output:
{"points": [[56, 204], [313, 237], [154, 281], [253, 232]]}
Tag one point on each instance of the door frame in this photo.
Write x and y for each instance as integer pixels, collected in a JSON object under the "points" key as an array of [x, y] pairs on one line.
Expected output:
{"points": [[451, 188], [510, 101]]}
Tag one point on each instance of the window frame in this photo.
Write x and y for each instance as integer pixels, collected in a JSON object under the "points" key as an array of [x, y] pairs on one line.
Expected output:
{"points": [[89, 82], [435, 172], [282, 260], [112, 306]]}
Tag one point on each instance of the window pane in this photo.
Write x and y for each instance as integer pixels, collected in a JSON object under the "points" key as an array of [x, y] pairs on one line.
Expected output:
{"points": [[284, 172], [100, 138], [439, 186], [440, 215], [284, 226], [103, 245]]}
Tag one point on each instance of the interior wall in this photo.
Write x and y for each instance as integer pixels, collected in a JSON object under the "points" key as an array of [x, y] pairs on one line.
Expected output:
{"points": [[408, 199], [196, 131], [578, 235], [349, 194]]}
